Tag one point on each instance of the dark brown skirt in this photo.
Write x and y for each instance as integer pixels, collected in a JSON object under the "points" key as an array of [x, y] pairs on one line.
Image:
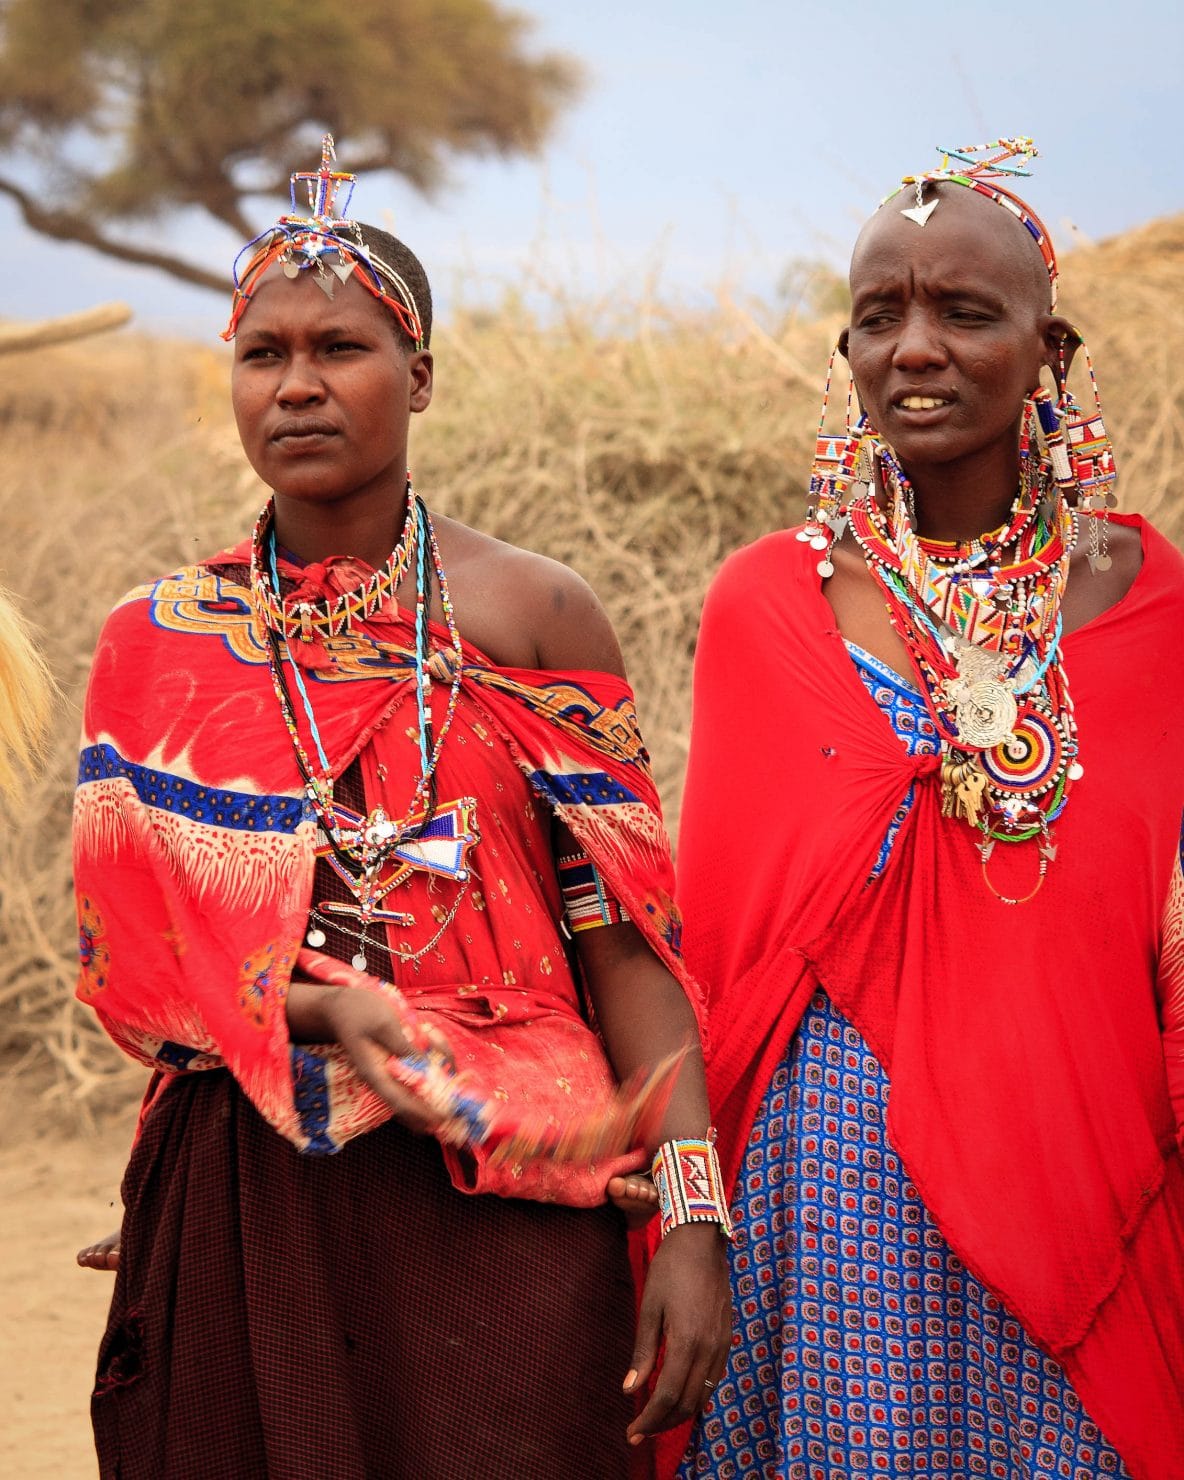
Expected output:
{"points": [[351, 1317]]}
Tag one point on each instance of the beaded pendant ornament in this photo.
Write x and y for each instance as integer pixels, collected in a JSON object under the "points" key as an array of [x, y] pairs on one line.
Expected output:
{"points": [[981, 620], [374, 854], [981, 624]]}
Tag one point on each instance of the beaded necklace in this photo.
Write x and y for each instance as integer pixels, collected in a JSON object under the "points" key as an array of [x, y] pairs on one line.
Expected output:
{"points": [[326, 618], [363, 850], [982, 627]]}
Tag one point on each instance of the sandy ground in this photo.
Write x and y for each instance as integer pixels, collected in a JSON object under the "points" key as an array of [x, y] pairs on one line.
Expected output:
{"points": [[57, 1192]]}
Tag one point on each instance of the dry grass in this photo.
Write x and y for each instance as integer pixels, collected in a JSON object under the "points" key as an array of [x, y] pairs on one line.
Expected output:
{"points": [[640, 453]]}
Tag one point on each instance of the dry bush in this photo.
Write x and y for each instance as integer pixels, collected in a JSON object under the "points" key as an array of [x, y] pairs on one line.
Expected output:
{"points": [[639, 450]]}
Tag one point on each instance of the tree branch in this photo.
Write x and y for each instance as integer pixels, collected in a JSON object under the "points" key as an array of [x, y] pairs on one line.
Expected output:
{"points": [[64, 226], [98, 320]]}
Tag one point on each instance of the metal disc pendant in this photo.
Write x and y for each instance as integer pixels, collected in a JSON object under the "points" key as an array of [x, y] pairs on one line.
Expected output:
{"points": [[987, 716], [820, 542], [359, 961], [315, 938], [825, 569], [1076, 771]]}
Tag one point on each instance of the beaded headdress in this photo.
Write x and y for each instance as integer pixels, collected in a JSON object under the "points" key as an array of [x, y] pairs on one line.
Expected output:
{"points": [[1003, 159], [326, 243]]}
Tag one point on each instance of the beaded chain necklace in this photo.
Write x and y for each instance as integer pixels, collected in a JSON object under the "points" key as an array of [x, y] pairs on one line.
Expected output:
{"points": [[369, 853], [982, 626]]}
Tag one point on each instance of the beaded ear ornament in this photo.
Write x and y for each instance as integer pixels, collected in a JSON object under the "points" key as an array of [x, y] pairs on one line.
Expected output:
{"points": [[836, 466], [326, 243]]}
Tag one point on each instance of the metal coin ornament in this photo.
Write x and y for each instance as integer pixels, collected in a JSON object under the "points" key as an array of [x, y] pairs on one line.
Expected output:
{"points": [[987, 716]]}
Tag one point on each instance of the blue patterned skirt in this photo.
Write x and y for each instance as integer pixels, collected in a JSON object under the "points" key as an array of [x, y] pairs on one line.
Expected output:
{"points": [[862, 1345]]}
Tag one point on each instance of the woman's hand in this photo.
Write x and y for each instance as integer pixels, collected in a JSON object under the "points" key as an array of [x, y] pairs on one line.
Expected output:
{"points": [[368, 1028], [687, 1303]]}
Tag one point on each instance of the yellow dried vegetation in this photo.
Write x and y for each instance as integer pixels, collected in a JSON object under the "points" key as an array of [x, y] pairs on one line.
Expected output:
{"points": [[640, 451]]}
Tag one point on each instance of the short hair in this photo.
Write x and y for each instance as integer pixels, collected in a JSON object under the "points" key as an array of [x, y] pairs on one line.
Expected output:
{"points": [[397, 255]]}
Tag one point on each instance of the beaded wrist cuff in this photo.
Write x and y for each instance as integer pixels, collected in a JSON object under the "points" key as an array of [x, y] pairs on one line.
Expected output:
{"points": [[690, 1185], [587, 899]]}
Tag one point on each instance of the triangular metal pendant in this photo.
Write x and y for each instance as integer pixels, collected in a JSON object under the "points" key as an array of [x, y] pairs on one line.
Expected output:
{"points": [[342, 267], [326, 284], [920, 214]]}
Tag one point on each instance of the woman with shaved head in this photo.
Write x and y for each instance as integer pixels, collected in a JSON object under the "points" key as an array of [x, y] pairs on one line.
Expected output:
{"points": [[943, 956]]}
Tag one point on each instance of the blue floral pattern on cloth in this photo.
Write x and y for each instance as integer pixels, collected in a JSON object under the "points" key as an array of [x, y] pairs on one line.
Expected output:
{"points": [[905, 710], [862, 1344]]}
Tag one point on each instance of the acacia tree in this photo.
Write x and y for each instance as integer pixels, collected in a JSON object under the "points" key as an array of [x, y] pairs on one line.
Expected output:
{"points": [[125, 112]]}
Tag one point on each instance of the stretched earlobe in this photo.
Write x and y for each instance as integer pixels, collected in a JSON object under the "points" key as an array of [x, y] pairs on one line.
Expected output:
{"points": [[1062, 341], [844, 341]]}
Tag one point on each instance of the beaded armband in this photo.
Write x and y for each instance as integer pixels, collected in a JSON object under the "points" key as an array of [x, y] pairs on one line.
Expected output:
{"points": [[690, 1185], [587, 899]]}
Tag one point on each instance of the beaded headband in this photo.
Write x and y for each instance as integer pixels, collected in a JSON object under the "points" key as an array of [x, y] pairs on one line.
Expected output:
{"points": [[960, 167], [327, 244]]}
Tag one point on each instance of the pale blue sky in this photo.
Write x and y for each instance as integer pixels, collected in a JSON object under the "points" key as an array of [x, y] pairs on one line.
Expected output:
{"points": [[714, 143]]}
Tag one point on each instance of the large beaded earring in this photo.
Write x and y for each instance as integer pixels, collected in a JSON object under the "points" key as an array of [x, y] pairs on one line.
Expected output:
{"points": [[831, 474], [1091, 458]]}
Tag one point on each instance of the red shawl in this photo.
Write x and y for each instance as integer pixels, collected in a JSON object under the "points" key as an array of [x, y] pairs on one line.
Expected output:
{"points": [[194, 861], [1029, 1099]]}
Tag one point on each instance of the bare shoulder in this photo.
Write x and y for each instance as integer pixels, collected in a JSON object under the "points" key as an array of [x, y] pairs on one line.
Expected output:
{"points": [[523, 609]]}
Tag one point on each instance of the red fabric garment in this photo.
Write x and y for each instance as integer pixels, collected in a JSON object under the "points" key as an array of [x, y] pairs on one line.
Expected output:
{"points": [[194, 864], [1029, 1099]]}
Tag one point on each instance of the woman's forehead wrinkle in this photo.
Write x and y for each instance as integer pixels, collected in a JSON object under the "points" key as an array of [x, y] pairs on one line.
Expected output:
{"points": [[981, 245]]}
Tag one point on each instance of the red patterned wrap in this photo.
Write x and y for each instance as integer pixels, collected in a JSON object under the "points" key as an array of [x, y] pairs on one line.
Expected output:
{"points": [[195, 849]]}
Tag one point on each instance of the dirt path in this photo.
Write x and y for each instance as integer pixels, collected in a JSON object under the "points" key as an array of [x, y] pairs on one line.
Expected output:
{"points": [[56, 1195]]}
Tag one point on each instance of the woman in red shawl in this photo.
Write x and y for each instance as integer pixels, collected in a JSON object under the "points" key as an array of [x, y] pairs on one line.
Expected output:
{"points": [[930, 858], [355, 833]]}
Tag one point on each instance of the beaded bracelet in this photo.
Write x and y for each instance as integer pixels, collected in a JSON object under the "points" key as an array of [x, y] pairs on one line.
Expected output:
{"points": [[587, 899], [690, 1185]]}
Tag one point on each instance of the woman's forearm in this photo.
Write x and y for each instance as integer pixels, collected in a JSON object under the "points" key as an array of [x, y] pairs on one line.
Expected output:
{"points": [[645, 1015]]}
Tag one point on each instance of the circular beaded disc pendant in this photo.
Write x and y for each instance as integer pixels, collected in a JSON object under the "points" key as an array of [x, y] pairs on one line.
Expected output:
{"points": [[1031, 759]]}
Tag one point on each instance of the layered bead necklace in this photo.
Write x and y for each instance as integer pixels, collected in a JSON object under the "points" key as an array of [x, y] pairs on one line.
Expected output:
{"points": [[982, 626], [371, 854], [305, 620]]}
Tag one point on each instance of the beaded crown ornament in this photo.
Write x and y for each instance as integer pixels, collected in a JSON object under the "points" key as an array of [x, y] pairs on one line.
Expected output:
{"points": [[981, 622], [326, 243]]}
